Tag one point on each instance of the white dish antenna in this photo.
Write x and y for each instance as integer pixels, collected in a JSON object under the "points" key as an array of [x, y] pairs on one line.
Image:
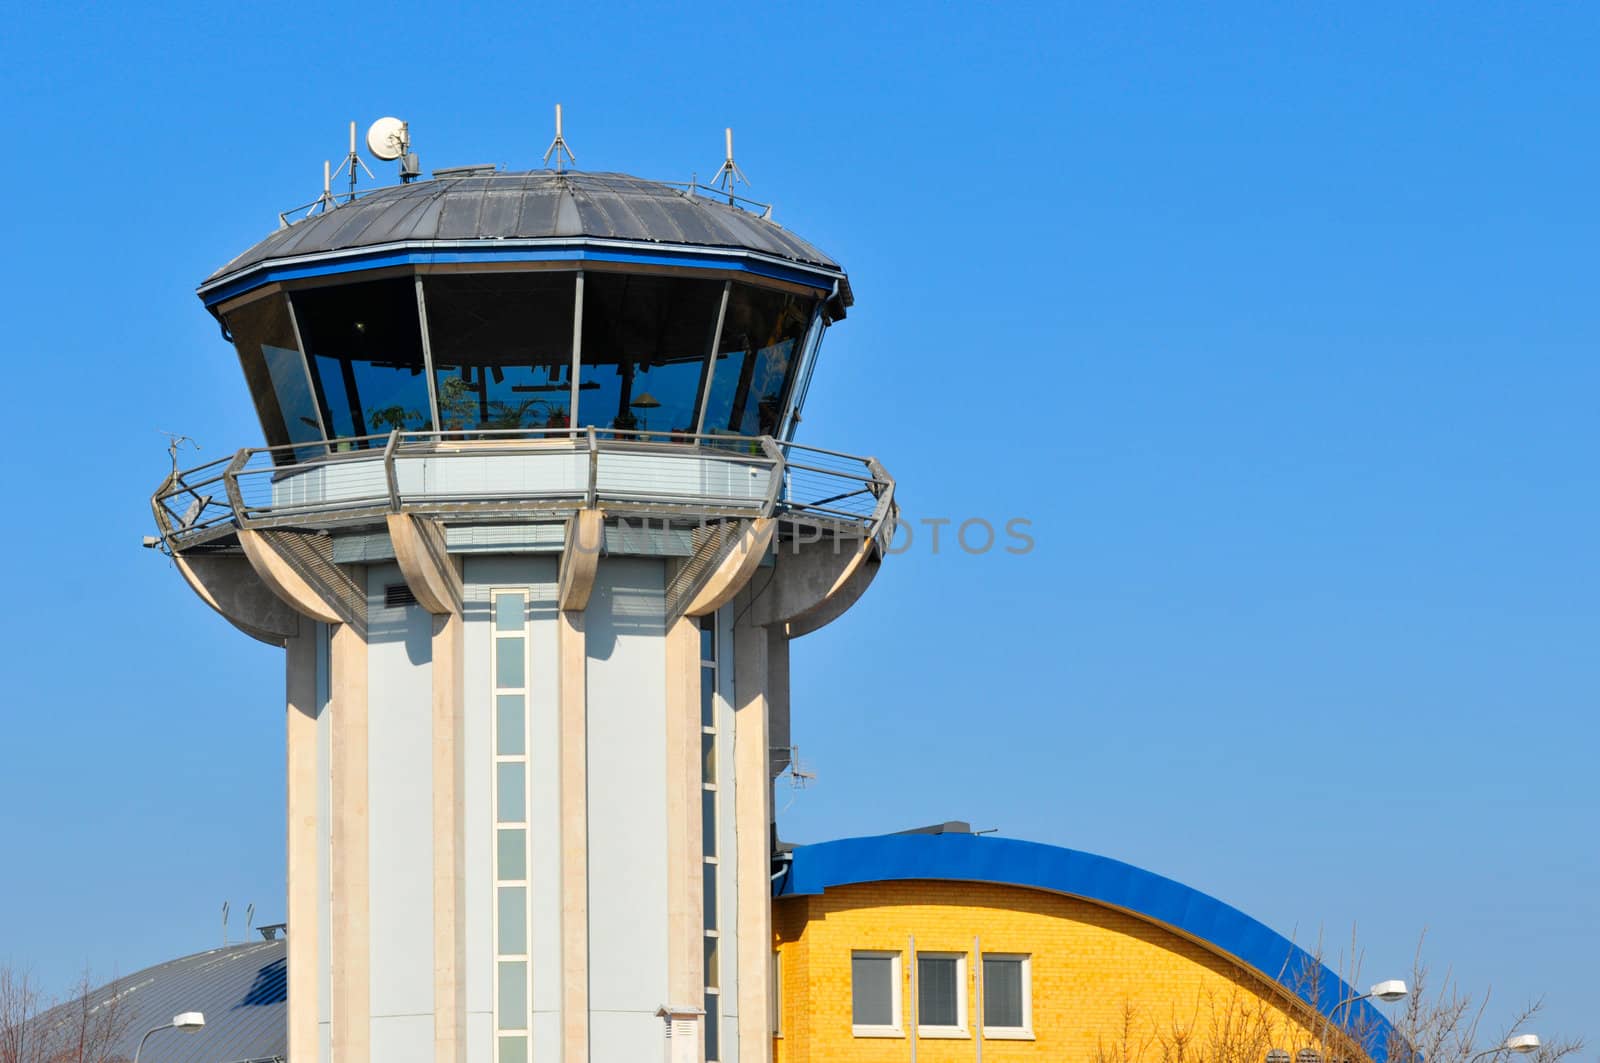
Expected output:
{"points": [[386, 139]]}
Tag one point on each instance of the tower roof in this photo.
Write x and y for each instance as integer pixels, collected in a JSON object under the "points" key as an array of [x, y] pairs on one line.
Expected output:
{"points": [[536, 206]]}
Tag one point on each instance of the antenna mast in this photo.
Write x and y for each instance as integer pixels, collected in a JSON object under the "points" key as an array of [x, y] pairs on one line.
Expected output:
{"points": [[351, 161], [729, 174], [559, 145]]}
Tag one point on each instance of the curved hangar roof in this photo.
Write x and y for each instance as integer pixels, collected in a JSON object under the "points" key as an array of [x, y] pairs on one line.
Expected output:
{"points": [[241, 990], [478, 215], [955, 857]]}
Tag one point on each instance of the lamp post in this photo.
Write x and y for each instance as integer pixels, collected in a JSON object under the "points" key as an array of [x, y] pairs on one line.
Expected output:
{"points": [[189, 1021], [1521, 1044]]}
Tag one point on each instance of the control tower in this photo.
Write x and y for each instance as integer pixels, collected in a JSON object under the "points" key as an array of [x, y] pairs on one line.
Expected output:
{"points": [[533, 530]]}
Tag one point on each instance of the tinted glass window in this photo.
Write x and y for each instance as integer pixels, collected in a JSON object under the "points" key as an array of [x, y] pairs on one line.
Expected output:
{"points": [[760, 344], [1002, 992], [276, 373], [936, 991], [502, 348], [872, 990], [645, 345], [366, 356]]}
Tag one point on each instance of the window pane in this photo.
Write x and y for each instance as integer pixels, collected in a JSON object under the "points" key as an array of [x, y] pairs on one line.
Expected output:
{"points": [[502, 348], [510, 787], [513, 1049], [508, 663], [512, 939], [713, 969], [708, 699], [713, 1027], [755, 359], [510, 725], [276, 373], [708, 757], [513, 854], [645, 345], [513, 994], [872, 990], [366, 355], [1002, 992], [709, 900], [936, 991], [508, 612], [708, 638], [708, 821]]}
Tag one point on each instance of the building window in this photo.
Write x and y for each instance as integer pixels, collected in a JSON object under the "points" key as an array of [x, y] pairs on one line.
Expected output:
{"points": [[777, 994], [875, 994], [1007, 996], [941, 994], [708, 833], [509, 675]]}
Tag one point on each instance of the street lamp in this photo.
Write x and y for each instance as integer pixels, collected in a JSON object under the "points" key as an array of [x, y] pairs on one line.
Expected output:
{"points": [[1521, 1044], [188, 1020], [1390, 991]]}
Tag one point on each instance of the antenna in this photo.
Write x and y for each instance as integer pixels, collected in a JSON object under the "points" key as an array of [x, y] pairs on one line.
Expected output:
{"points": [[174, 443], [250, 909], [800, 776], [351, 161], [559, 145], [390, 139], [224, 922], [729, 174]]}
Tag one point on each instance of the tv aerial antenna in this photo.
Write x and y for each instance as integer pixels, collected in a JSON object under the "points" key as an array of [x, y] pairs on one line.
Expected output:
{"points": [[799, 773], [729, 175], [351, 162], [558, 146], [175, 443], [390, 139]]}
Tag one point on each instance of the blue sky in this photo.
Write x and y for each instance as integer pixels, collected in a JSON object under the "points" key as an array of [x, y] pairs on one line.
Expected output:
{"points": [[1277, 322]]}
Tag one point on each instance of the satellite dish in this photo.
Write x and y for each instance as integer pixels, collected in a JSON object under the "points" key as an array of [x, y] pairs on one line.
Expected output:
{"points": [[387, 138]]}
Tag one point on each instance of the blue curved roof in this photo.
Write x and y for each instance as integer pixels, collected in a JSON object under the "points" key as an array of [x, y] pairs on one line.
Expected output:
{"points": [[1004, 861]]}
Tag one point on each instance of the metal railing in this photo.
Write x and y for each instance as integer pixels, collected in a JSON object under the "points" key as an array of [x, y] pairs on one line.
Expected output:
{"points": [[500, 474]]}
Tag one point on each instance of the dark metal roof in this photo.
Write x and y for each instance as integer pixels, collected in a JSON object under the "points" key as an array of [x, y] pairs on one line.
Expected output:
{"points": [[241, 989], [532, 205]]}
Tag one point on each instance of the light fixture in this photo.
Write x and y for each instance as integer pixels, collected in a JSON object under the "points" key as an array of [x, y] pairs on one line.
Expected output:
{"points": [[188, 1021], [1390, 991], [646, 401], [1521, 1044]]}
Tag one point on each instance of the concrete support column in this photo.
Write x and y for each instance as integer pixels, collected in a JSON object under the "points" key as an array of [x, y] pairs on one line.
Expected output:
{"points": [[573, 655], [752, 827], [449, 862], [300, 660], [352, 943], [685, 896]]}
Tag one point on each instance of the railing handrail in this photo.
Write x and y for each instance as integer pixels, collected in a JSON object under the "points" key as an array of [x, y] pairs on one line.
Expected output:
{"points": [[206, 514]]}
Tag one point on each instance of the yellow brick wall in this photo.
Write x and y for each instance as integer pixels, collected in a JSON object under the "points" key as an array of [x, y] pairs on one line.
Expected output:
{"points": [[1108, 987]]}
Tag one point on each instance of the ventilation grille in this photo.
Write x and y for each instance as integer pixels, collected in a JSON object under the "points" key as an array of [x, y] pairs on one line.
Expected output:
{"points": [[396, 595]]}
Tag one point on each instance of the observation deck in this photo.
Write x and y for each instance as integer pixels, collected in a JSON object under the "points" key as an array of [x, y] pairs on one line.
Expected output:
{"points": [[527, 477]]}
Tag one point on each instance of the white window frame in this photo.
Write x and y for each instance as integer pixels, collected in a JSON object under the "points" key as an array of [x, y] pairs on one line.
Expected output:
{"points": [[777, 994], [1012, 1033], [960, 1029], [897, 1028]]}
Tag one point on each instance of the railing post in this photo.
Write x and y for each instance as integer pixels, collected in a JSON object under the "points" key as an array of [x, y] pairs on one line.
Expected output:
{"points": [[388, 468], [770, 447], [594, 469], [230, 480]]}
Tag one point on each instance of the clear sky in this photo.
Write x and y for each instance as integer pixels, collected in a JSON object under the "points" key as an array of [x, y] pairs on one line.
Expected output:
{"points": [[1277, 322]]}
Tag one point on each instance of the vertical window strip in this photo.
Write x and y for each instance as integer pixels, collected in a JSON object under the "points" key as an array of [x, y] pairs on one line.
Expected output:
{"points": [[708, 838], [508, 671]]}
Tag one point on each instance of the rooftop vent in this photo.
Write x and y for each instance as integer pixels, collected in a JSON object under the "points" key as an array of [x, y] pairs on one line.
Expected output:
{"points": [[397, 596]]}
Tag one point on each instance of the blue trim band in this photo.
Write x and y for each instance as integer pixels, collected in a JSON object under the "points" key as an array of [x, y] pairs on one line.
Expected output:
{"points": [[336, 263], [1005, 861]]}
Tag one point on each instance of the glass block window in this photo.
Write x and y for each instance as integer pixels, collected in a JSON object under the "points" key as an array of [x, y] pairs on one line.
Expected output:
{"points": [[509, 674], [708, 831]]}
